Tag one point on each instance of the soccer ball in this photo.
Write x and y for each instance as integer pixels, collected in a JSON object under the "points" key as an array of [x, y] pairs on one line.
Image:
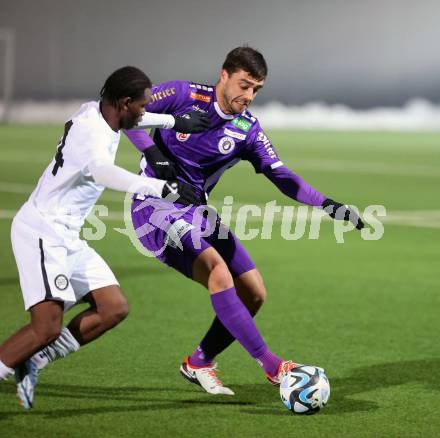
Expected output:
{"points": [[305, 390]]}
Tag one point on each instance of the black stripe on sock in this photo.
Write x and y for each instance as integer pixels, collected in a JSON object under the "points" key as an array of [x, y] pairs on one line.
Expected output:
{"points": [[43, 270]]}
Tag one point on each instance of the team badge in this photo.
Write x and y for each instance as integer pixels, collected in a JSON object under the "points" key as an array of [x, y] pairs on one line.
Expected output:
{"points": [[181, 136], [61, 282], [226, 145]]}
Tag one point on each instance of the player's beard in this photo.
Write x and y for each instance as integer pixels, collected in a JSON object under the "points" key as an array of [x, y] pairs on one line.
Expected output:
{"points": [[233, 104], [233, 107], [239, 106], [129, 121], [227, 100]]}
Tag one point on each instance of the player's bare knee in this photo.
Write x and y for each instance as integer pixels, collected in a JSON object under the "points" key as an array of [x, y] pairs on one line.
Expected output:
{"points": [[116, 312], [121, 312], [220, 277], [259, 297]]}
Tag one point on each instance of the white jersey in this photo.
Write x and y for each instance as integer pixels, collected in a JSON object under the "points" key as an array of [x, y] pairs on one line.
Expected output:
{"points": [[66, 192], [53, 263]]}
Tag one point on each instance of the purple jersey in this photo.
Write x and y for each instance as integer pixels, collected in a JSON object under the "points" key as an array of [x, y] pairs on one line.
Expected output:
{"points": [[202, 158]]}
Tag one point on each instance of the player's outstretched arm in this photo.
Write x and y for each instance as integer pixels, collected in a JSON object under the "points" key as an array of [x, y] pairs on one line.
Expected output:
{"points": [[339, 211], [116, 178], [296, 188], [191, 122]]}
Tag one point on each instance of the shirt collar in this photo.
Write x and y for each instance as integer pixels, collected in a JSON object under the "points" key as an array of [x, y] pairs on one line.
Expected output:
{"points": [[221, 113]]}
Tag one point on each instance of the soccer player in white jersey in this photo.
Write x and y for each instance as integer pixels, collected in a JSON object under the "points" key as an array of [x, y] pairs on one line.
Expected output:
{"points": [[57, 269]]}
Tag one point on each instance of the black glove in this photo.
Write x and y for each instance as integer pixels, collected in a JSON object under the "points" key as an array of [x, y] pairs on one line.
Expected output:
{"points": [[339, 211], [192, 122], [163, 167], [181, 193]]}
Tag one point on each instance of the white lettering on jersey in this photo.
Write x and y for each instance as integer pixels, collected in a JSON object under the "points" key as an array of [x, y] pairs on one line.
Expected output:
{"points": [[237, 135], [267, 144]]}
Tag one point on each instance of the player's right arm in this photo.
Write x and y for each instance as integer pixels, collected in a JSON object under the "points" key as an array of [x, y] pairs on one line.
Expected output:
{"points": [[117, 178], [94, 159]]}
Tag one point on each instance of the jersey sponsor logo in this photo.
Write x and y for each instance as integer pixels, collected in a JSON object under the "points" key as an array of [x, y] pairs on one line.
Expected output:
{"points": [[61, 282], [242, 124], [202, 97], [226, 145], [267, 144], [163, 94], [237, 135], [197, 108], [182, 137]]}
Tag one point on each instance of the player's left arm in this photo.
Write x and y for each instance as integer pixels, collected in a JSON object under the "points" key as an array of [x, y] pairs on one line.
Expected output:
{"points": [[163, 112], [265, 159], [192, 122]]}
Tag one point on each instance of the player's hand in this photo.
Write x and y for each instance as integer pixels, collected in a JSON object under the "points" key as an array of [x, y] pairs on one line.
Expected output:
{"points": [[192, 122], [339, 211], [163, 167], [181, 192]]}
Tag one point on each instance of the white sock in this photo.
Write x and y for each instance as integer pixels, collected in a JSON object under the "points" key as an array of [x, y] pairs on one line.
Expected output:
{"points": [[5, 371], [61, 347]]}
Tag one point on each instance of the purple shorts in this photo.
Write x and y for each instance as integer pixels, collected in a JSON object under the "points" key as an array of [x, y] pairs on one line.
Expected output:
{"points": [[176, 235]]}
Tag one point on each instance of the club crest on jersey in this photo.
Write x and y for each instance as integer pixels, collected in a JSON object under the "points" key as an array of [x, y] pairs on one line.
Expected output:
{"points": [[226, 145], [182, 137], [61, 282]]}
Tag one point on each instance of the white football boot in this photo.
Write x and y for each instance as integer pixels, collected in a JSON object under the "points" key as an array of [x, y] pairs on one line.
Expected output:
{"points": [[205, 378], [26, 378]]}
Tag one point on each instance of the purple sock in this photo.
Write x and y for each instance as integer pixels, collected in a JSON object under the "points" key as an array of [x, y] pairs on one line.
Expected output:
{"points": [[199, 359], [238, 321], [269, 362]]}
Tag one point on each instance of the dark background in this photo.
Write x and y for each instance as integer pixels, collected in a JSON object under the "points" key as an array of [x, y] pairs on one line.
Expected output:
{"points": [[360, 53]]}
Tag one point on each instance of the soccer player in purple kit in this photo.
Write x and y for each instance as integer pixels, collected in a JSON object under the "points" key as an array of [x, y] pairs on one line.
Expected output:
{"points": [[222, 265]]}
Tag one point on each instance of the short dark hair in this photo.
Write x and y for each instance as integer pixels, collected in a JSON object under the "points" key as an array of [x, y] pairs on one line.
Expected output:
{"points": [[248, 59], [125, 82]]}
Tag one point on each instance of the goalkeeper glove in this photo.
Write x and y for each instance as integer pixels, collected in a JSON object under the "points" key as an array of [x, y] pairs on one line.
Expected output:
{"points": [[192, 122], [339, 211]]}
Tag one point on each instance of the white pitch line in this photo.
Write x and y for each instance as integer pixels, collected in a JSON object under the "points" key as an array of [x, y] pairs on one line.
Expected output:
{"points": [[7, 214], [26, 189], [343, 166], [7, 187], [377, 168], [410, 218], [415, 218]]}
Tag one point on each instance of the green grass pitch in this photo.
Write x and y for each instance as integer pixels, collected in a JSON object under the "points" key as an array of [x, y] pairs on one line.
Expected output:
{"points": [[367, 311]]}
